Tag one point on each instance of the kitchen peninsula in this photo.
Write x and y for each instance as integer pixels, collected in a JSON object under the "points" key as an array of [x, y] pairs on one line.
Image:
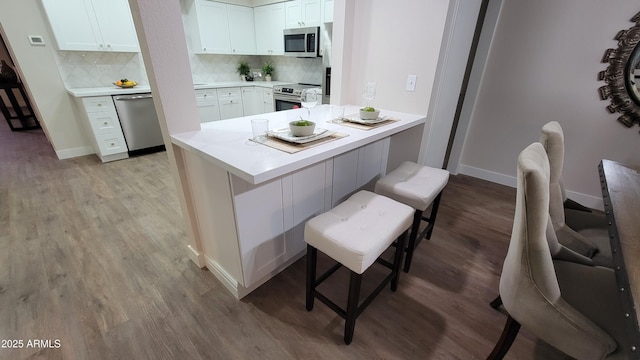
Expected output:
{"points": [[251, 201]]}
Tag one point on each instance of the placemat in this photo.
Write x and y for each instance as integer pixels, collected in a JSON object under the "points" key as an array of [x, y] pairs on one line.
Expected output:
{"points": [[292, 148], [363, 126]]}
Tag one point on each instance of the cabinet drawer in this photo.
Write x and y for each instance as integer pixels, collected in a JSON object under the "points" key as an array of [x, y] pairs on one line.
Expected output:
{"points": [[110, 144], [104, 122], [229, 93], [98, 103], [206, 96], [230, 101]]}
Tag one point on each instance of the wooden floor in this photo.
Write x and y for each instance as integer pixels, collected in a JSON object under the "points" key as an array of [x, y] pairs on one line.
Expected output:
{"points": [[93, 255]]}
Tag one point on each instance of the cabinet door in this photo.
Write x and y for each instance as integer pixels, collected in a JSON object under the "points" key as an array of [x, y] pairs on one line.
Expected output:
{"points": [[304, 197], [310, 12], [345, 176], [251, 100], [260, 224], [74, 25], [293, 14], [269, 23], [328, 11], [372, 163], [242, 33], [267, 101], [212, 27], [116, 25]]}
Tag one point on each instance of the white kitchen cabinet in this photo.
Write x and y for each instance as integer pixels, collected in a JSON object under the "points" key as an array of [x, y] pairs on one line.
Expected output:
{"points": [[207, 102], [269, 23], [103, 126], [358, 169], [218, 28], [242, 33], [302, 13], [267, 100], [251, 100], [210, 27], [271, 217], [92, 25], [230, 103], [327, 11]]}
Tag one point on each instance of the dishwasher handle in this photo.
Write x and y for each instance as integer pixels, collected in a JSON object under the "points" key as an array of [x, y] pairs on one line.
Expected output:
{"points": [[133, 97]]}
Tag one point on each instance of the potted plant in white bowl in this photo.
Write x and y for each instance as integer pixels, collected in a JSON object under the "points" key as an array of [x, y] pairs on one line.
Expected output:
{"points": [[302, 127], [267, 70], [243, 69]]}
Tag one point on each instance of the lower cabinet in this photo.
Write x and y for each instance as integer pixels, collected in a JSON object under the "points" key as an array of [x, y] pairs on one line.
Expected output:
{"points": [[103, 127], [250, 232], [270, 218], [207, 102], [251, 100], [230, 103], [267, 100]]}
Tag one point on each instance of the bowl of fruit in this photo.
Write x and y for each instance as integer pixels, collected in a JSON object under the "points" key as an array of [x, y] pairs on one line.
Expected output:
{"points": [[302, 127], [369, 113], [125, 83]]}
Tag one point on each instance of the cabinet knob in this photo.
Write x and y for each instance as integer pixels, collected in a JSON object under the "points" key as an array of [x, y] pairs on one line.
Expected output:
{"points": [[108, 45], [106, 123], [99, 105], [204, 49], [113, 144]]}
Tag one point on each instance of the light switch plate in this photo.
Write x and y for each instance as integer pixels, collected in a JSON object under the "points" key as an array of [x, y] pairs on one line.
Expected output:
{"points": [[411, 83]]}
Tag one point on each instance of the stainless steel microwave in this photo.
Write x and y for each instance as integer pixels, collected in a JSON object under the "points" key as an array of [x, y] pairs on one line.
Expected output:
{"points": [[302, 42]]}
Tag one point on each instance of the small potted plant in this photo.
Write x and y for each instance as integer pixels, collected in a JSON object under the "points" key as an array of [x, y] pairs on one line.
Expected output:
{"points": [[243, 69], [267, 70], [302, 127]]}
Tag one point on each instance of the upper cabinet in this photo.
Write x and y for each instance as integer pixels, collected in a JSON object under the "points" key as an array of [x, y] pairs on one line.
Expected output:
{"points": [[302, 13], [92, 25], [327, 11], [241, 30], [269, 23], [218, 28], [210, 28]]}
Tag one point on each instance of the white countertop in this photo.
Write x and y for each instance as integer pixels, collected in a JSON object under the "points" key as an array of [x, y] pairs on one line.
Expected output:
{"points": [[114, 90], [226, 143]]}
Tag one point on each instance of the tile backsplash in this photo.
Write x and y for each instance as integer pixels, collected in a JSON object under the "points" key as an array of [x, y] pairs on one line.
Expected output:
{"points": [[94, 69]]}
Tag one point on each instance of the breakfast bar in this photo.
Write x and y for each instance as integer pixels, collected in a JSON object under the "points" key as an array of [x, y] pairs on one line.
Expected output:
{"points": [[251, 200]]}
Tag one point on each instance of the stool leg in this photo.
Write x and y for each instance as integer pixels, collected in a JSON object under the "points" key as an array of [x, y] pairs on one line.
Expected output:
{"points": [[434, 212], [397, 262], [352, 306], [312, 256], [415, 227]]}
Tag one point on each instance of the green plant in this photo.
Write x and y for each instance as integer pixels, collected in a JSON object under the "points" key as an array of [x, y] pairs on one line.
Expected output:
{"points": [[267, 68], [243, 68]]}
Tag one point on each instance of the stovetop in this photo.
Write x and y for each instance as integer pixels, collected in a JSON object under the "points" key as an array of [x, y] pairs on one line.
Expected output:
{"points": [[293, 89]]}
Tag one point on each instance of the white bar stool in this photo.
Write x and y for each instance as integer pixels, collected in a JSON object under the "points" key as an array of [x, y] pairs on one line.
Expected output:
{"points": [[355, 233], [417, 186]]}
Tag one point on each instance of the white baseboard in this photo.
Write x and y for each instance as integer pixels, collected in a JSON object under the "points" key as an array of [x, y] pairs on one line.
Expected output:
{"points": [[593, 202], [74, 152]]}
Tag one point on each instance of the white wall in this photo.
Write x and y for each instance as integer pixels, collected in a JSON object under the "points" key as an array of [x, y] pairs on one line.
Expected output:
{"points": [[543, 66], [38, 69], [386, 41]]}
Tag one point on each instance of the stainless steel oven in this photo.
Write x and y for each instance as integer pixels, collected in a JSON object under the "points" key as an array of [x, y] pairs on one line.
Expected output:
{"points": [[286, 97]]}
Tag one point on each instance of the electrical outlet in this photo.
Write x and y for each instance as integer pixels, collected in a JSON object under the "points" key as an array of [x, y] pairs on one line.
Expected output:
{"points": [[104, 68], [411, 83]]}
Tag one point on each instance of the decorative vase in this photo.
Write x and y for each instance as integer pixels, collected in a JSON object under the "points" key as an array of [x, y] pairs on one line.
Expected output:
{"points": [[243, 77], [267, 77]]}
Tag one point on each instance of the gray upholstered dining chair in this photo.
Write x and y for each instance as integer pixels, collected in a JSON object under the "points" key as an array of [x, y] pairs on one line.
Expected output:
{"points": [[584, 232], [573, 307]]}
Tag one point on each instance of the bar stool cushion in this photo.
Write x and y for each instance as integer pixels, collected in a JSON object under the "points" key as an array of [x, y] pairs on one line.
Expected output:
{"points": [[357, 231], [413, 184]]}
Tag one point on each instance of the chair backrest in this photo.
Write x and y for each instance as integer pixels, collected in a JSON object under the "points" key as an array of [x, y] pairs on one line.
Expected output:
{"points": [[552, 139], [528, 285]]}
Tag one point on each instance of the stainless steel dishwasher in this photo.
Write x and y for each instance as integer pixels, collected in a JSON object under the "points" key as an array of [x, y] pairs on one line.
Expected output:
{"points": [[139, 122]]}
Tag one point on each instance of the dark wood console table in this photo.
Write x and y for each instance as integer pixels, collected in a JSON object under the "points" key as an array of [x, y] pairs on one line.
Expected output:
{"points": [[19, 117], [621, 197]]}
